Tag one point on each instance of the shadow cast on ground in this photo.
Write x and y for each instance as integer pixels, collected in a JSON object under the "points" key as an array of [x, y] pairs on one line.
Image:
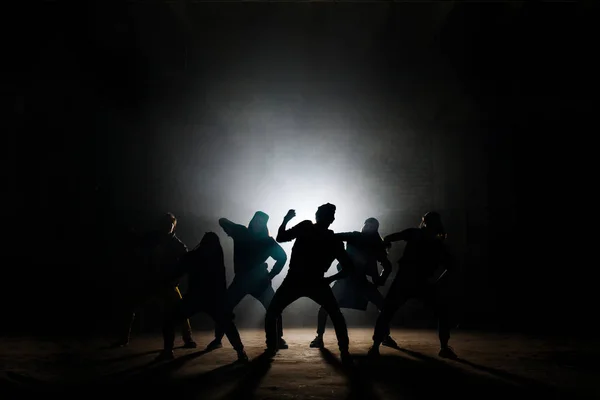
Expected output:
{"points": [[407, 374], [151, 380], [360, 388], [424, 377]]}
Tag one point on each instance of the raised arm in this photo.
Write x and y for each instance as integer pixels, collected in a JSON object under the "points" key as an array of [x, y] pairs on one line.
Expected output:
{"points": [[231, 228], [278, 254], [283, 234]]}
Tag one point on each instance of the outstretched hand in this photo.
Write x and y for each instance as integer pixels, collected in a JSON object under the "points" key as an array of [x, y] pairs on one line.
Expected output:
{"points": [[290, 214]]}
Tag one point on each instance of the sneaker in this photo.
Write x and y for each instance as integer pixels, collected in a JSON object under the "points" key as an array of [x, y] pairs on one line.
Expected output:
{"points": [[317, 343], [282, 344], [242, 357], [165, 355], [190, 345], [448, 352], [215, 344], [373, 351], [389, 342]]}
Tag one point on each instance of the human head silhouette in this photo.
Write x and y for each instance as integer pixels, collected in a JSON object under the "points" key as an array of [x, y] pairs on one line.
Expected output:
{"points": [[371, 225], [432, 222], [258, 224], [167, 223], [325, 214]]}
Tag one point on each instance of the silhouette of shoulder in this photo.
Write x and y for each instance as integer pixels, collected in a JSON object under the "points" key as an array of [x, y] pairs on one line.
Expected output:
{"points": [[302, 227]]}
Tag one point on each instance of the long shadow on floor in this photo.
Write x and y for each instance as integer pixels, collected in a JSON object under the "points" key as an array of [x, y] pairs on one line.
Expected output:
{"points": [[532, 385], [360, 386], [520, 380], [155, 380], [255, 372], [154, 370], [131, 356], [231, 381], [427, 378]]}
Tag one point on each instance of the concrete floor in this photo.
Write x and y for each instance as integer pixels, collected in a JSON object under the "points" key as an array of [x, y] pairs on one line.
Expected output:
{"points": [[491, 366]]}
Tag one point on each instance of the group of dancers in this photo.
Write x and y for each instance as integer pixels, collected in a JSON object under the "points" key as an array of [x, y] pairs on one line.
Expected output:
{"points": [[422, 269]]}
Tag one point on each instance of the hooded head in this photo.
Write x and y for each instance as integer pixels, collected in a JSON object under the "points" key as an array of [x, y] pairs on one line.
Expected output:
{"points": [[258, 224]]}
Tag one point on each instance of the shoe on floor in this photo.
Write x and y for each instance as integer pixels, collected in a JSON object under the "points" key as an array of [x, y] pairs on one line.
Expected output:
{"points": [[389, 342], [242, 357], [317, 343], [215, 344], [190, 345], [448, 352]]}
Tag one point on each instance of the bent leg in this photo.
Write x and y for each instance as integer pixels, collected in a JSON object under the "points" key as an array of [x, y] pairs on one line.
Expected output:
{"points": [[223, 317], [323, 295], [287, 293], [265, 299], [177, 314], [396, 297], [374, 295], [321, 321], [235, 293]]}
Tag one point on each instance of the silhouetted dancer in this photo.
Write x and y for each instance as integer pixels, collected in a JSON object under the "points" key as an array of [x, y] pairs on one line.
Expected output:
{"points": [[418, 277], [366, 249], [160, 251], [252, 246], [207, 291], [314, 250]]}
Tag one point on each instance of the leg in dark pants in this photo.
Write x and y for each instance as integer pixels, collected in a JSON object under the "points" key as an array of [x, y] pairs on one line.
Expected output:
{"points": [[235, 293], [367, 289], [224, 318], [175, 316], [321, 321], [442, 312], [322, 294], [289, 291], [189, 306], [395, 299], [265, 298], [441, 306], [374, 295], [132, 303], [341, 289], [171, 298]]}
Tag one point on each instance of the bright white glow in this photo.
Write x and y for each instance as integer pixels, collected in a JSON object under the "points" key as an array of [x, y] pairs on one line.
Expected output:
{"points": [[271, 162], [302, 185]]}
